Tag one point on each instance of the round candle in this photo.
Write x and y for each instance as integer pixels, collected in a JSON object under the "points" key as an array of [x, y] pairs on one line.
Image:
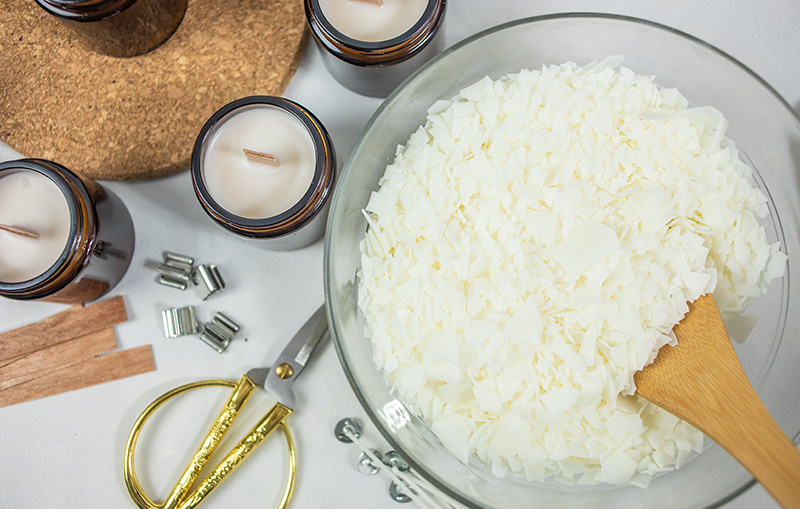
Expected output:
{"points": [[250, 188], [372, 22], [263, 168], [32, 202], [371, 46]]}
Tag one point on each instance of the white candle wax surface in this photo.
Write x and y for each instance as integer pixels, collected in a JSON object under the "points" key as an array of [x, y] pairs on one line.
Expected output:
{"points": [[33, 202], [255, 190], [365, 21]]}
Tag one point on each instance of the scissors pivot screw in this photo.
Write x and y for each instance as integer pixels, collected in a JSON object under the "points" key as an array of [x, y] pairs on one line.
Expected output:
{"points": [[284, 371], [346, 427]]}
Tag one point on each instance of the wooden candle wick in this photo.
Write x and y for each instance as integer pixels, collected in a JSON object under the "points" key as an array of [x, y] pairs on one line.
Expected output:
{"points": [[379, 3], [19, 231], [260, 157]]}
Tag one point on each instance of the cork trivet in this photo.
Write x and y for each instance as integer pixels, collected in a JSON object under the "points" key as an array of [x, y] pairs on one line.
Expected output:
{"points": [[137, 118]]}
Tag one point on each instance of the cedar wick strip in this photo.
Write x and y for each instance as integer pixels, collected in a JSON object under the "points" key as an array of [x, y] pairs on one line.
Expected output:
{"points": [[97, 370], [19, 231], [261, 157], [373, 2], [47, 360], [69, 324]]}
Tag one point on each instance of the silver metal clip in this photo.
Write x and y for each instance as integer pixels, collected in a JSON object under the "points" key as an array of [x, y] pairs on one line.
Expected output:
{"points": [[179, 321], [219, 332], [176, 271], [174, 277], [208, 280], [178, 260]]}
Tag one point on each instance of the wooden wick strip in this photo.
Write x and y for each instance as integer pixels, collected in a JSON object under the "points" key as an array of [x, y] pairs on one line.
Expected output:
{"points": [[261, 157], [373, 2], [46, 360], [97, 370], [74, 322], [19, 231]]}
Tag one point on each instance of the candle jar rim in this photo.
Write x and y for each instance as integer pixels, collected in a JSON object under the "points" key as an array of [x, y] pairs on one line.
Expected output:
{"points": [[72, 194], [80, 3], [299, 214], [85, 10], [390, 51]]}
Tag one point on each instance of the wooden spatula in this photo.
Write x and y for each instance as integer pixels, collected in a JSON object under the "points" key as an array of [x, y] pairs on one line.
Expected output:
{"points": [[701, 381]]}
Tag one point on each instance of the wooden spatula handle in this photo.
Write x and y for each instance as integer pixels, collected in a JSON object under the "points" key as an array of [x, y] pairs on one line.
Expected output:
{"points": [[701, 381], [761, 447], [744, 428]]}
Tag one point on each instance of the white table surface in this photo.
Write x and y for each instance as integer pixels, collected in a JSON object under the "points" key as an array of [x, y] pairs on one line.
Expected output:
{"points": [[66, 450]]}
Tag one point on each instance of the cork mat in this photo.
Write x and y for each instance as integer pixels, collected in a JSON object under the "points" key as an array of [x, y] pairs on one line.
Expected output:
{"points": [[137, 118]]}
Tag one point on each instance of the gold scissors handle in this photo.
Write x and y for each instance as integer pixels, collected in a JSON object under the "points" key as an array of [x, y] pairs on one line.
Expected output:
{"points": [[181, 497]]}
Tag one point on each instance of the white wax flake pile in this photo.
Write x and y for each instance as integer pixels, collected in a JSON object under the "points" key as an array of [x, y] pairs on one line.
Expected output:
{"points": [[531, 248]]}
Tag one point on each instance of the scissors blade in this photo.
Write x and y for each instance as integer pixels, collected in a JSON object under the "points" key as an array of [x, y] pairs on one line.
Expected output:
{"points": [[293, 359]]}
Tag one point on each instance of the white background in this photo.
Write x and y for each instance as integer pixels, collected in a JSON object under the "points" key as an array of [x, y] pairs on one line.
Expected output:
{"points": [[66, 450]]}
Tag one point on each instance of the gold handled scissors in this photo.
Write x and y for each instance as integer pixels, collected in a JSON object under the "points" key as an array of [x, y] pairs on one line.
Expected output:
{"points": [[277, 380]]}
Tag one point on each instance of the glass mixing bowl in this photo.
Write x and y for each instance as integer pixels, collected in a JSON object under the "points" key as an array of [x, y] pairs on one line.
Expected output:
{"points": [[765, 129]]}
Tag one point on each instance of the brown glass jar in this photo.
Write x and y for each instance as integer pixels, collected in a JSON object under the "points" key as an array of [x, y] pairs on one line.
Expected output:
{"points": [[304, 221], [99, 246], [118, 28], [375, 68]]}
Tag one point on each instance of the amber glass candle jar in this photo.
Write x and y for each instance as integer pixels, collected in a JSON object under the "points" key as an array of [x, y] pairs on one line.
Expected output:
{"points": [[375, 67], [264, 168], [118, 28], [97, 243]]}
